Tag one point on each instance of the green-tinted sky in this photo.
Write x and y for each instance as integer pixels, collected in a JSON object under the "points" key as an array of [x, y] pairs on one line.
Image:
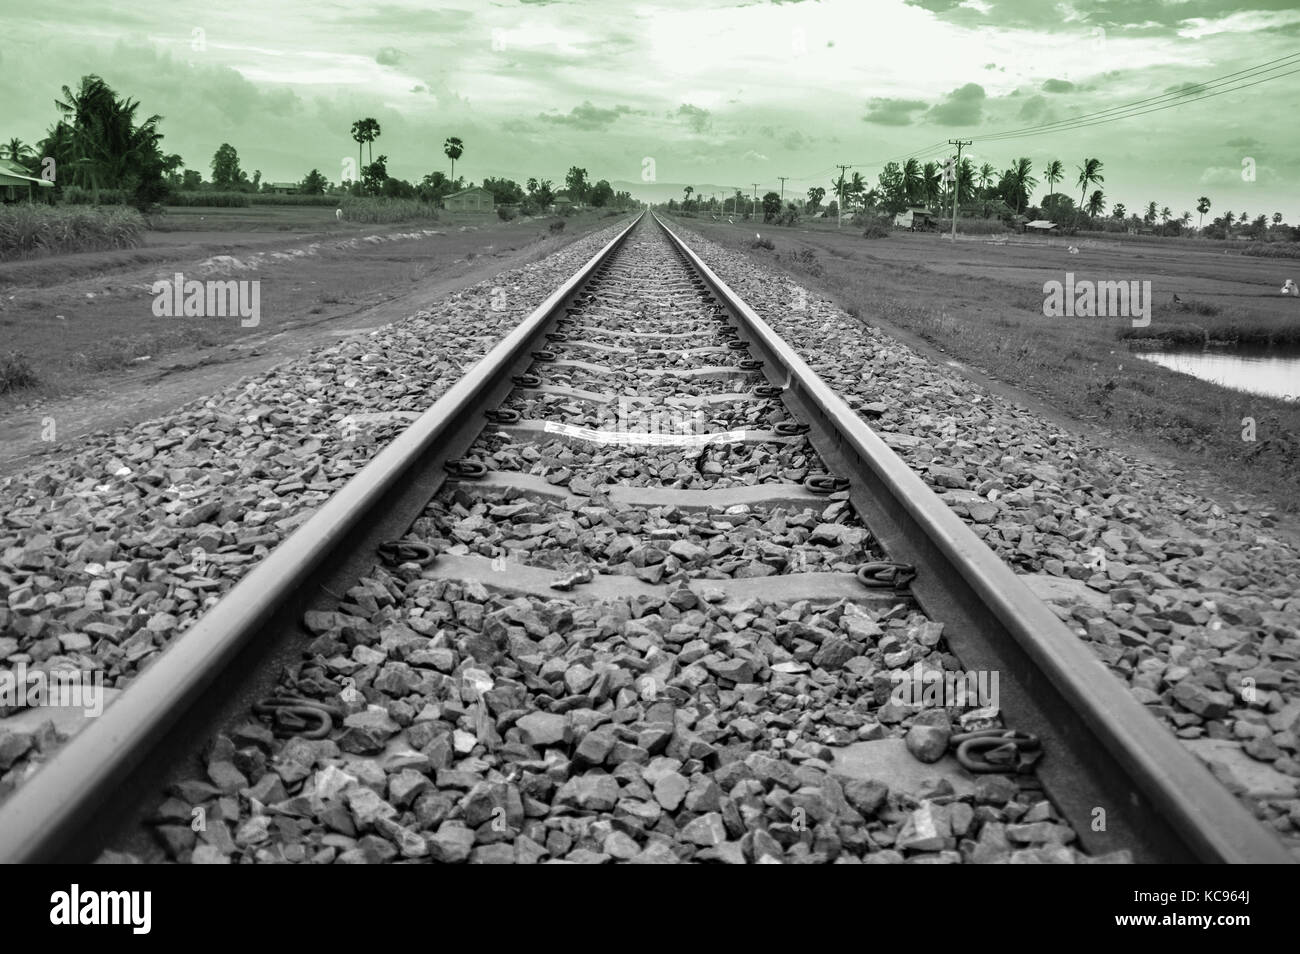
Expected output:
{"points": [[718, 94]]}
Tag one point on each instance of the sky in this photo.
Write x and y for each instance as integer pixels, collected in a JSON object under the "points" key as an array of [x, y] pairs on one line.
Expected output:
{"points": [[718, 95]]}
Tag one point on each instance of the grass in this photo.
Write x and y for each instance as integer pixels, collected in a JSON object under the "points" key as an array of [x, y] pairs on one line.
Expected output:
{"points": [[1273, 249], [216, 200], [331, 201], [28, 230], [16, 372], [378, 211], [1195, 322], [117, 353], [974, 226]]}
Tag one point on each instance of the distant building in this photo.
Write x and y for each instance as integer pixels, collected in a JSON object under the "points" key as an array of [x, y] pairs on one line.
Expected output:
{"points": [[18, 184], [1041, 226], [470, 200], [283, 188], [915, 218], [562, 201]]}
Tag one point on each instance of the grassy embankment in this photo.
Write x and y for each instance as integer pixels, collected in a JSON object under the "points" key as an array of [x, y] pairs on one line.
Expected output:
{"points": [[981, 303]]}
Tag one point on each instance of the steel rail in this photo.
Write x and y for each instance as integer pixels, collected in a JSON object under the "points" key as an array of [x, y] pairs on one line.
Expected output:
{"points": [[1159, 800], [54, 814]]}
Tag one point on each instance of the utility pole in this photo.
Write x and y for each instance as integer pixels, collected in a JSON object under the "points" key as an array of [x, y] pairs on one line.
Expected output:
{"points": [[783, 178], [754, 213], [839, 197], [956, 181]]}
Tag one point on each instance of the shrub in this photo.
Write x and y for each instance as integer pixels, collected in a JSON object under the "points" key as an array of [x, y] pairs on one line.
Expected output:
{"points": [[557, 227], [506, 213], [270, 198], [878, 227], [215, 200], [762, 243], [974, 226], [15, 372], [1273, 250], [27, 229], [76, 195], [806, 260], [379, 210]]}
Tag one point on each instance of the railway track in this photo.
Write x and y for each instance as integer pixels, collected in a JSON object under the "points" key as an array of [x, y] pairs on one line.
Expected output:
{"points": [[640, 587]]}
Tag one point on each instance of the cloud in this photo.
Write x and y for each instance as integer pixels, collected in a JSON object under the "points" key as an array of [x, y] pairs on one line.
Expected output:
{"points": [[884, 111], [388, 56], [696, 117], [586, 116], [753, 156], [964, 106], [1034, 108], [1057, 86], [1244, 142], [794, 139]]}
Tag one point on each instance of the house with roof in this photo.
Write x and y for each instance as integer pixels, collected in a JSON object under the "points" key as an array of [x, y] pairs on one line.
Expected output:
{"points": [[915, 218], [473, 199], [17, 184]]}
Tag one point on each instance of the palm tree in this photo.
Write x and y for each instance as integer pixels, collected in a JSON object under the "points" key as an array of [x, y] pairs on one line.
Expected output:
{"points": [[1185, 218], [1053, 173], [372, 133], [1165, 215], [686, 203], [102, 141], [1243, 219], [986, 175], [1277, 218], [1202, 206], [930, 184], [1119, 210], [16, 150], [913, 181], [855, 187], [965, 180], [1089, 174], [1096, 204], [1150, 215], [359, 133], [453, 147], [1020, 177], [815, 195]]}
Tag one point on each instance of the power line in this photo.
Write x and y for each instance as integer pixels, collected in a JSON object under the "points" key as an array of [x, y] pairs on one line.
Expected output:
{"points": [[1173, 98], [1011, 134], [1231, 82]]}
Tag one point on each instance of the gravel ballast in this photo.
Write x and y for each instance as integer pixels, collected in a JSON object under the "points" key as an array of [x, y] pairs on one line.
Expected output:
{"points": [[1194, 603]]}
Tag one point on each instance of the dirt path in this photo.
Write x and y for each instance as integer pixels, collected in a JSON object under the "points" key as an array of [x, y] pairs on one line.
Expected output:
{"points": [[362, 293]]}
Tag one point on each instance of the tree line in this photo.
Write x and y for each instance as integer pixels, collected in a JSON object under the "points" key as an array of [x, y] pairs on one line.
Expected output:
{"points": [[98, 142], [989, 193]]}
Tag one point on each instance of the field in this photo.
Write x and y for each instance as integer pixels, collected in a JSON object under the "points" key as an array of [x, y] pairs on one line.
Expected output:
{"points": [[88, 338], [980, 304]]}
